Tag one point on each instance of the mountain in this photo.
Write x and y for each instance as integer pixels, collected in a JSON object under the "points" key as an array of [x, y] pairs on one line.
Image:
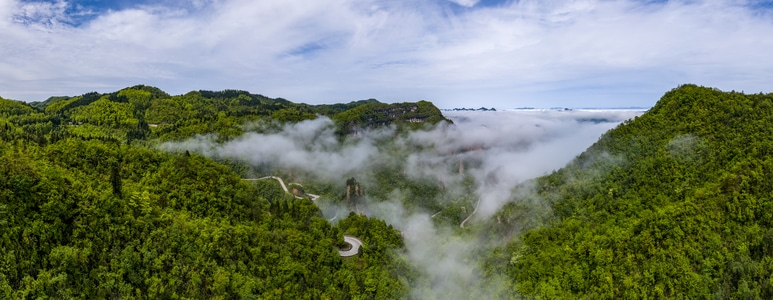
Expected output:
{"points": [[90, 209], [144, 112], [675, 203], [373, 115]]}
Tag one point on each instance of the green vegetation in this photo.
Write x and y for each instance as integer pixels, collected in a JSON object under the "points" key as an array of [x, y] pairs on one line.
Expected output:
{"points": [[89, 210], [372, 115], [147, 113], [674, 204]]}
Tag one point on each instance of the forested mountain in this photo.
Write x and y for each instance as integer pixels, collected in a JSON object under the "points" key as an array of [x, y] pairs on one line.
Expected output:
{"points": [[673, 204], [143, 112], [89, 210], [376, 114]]}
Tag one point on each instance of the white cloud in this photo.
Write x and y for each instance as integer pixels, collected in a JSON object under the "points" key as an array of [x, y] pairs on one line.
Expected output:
{"points": [[536, 53], [40, 14], [503, 149], [465, 3]]}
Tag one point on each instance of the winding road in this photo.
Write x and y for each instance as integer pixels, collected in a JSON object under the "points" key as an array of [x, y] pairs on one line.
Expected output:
{"points": [[355, 242], [470, 216], [284, 186]]}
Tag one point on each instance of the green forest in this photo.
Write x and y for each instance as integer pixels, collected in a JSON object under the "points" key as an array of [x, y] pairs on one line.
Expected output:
{"points": [[675, 203], [90, 209]]}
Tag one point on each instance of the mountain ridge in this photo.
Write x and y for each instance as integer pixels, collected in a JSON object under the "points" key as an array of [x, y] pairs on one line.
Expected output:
{"points": [[673, 203], [140, 112]]}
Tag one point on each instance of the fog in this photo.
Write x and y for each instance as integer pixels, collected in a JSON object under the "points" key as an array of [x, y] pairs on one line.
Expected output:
{"points": [[498, 150]]}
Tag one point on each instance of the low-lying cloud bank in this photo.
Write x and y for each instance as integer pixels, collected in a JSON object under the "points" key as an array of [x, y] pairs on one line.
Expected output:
{"points": [[498, 149]]}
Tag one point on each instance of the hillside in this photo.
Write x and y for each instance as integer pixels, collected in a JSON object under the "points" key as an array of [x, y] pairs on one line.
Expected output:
{"points": [[373, 115], [673, 204], [90, 209], [140, 194], [143, 112]]}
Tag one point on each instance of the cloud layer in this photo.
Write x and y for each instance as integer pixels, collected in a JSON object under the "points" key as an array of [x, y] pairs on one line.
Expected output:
{"points": [[499, 151], [512, 53]]}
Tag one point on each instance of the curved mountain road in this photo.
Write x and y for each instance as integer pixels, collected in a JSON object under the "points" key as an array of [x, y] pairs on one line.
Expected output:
{"points": [[284, 186], [356, 244], [470, 216]]}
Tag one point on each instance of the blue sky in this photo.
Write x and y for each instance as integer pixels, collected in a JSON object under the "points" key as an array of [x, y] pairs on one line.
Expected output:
{"points": [[546, 53]]}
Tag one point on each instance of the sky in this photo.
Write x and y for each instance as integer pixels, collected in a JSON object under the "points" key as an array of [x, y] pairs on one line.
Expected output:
{"points": [[455, 53]]}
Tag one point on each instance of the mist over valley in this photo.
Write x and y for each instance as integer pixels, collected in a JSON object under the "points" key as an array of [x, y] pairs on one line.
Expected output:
{"points": [[439, 185], [237, 195], [386, 149]]}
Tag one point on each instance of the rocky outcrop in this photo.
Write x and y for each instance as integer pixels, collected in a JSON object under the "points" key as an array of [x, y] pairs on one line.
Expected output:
{"points": [[373, 115], [353, 194]]}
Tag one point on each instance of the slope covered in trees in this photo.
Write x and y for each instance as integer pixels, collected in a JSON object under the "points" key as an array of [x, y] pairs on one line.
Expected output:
{"points": [[673, 204], [88, 211], [372, 115], [143, 112]]}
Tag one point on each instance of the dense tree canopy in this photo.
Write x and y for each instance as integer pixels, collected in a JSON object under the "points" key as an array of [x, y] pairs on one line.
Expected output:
{"points": [[676, 203], [88, 211], [673, 204]]}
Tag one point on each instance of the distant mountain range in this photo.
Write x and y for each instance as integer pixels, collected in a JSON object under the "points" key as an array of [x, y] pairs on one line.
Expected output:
{"points": [[528, 108], [469, 109]]}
